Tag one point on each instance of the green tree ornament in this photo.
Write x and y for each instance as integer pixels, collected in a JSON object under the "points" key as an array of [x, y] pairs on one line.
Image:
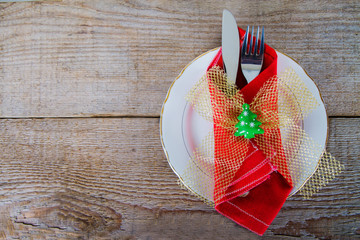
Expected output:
{"points": [[248, 126]]}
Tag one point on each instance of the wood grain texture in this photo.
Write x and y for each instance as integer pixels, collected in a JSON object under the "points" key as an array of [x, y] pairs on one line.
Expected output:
{"points": [[108, 178], [118, 58], [81, 88]]}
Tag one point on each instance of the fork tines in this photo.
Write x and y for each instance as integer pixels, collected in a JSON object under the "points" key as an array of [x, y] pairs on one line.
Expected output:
{"points": [[252, 47], [252, 54]]}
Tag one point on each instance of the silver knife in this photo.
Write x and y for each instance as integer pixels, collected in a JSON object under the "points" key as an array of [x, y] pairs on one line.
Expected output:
{"points": [[230, 46]]}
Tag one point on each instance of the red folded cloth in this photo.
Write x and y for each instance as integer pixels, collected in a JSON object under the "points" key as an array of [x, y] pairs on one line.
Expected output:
{"points": [[257, 176]]}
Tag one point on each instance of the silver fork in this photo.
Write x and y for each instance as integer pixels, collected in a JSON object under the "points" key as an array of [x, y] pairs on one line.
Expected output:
{"points": [[252, 54]]}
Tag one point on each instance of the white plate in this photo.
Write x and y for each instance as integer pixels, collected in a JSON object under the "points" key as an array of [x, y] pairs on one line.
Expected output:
{"points": [[177, 116]]}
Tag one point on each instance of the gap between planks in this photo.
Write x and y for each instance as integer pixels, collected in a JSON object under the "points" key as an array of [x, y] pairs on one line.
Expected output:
{"points": [[120, 116], [80, 117]]}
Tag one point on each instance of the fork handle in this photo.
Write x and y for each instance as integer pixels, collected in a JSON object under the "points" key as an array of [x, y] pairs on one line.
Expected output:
{"points": [[250, 75]]}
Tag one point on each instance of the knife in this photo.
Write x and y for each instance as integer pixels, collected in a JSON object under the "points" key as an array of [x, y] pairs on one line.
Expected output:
{"points": [[230, 46]]}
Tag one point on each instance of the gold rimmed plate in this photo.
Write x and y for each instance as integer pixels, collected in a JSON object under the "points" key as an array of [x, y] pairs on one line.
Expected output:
{"points": [[182, 129]]}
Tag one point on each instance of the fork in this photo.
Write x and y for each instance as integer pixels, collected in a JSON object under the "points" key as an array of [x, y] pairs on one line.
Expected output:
{"points": [[252, 54]]}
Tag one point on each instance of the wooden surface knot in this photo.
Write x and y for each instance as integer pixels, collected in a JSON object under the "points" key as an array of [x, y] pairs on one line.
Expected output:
{"points": [[64, 211]]}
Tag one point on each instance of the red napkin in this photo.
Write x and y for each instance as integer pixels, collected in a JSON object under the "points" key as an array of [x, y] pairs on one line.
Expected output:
{"points": [[266, 188]]}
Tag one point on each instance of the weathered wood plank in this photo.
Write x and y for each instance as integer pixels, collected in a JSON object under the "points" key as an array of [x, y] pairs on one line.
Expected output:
{"points": [[107, 178], [85, 58]]}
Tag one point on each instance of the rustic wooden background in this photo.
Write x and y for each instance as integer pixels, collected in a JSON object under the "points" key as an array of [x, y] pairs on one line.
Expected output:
{"points": [[81, 88]]}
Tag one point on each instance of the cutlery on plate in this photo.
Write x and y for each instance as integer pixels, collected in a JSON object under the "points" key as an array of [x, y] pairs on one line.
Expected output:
{"points": [[252, 54], [230, 46]]}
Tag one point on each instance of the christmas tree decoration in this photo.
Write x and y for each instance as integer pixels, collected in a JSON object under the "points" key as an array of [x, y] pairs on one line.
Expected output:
{"points": [[248, 126]]}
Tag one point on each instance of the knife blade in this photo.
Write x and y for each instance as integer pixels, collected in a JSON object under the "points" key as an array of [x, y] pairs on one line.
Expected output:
{"points": [[230, 46]]}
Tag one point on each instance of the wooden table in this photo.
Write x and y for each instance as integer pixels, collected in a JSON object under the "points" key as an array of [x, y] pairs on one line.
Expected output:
{"points": [[81, 88]]}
